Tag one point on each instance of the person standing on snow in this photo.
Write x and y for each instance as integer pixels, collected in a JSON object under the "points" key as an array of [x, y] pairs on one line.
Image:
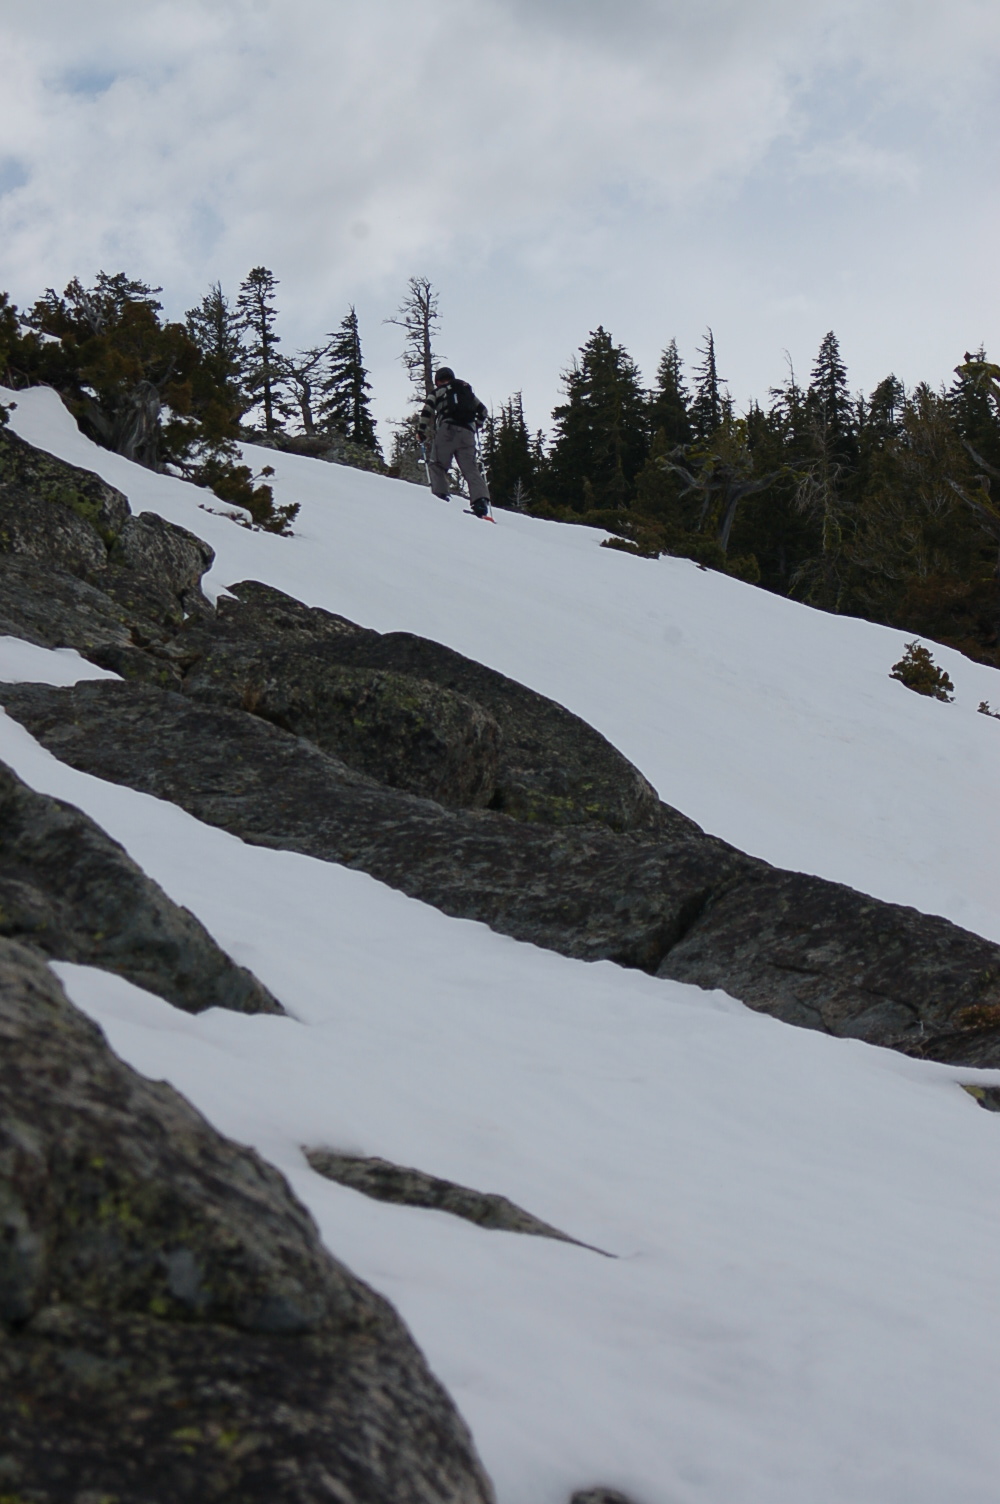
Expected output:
{"points": [[452, 415]]}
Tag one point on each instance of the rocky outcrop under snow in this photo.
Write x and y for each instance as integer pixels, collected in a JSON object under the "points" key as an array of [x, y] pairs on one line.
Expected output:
{"points": [[292, 727]]}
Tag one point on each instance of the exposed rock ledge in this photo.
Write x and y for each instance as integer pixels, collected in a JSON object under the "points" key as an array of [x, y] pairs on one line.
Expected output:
{"points": [[404, 1186], [677, 904]]}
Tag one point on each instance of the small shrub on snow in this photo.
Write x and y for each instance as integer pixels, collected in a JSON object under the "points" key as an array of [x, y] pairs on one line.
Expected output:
{"points": [[918, 671]]}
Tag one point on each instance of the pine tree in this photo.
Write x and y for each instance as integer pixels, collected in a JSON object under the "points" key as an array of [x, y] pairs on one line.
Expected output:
{"points": [[669, 401], [217, 330], [709, 404], [883, 413], [418, 315], [266, 369], [975, 407], [602, 430], [131, 380], [345, 404], [511, 456], [829, 403]]}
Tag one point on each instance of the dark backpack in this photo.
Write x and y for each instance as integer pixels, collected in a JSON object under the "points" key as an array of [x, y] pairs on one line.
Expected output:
{"points": [[461, 405]]}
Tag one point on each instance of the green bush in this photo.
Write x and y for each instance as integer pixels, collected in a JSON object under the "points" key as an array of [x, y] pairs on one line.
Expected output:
{"points": [[918, 671]]}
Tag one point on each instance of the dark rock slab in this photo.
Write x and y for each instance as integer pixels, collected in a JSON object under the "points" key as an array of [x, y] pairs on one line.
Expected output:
{"points": [[821, 955], [54, 609], [75, 894], [580, 890], [405, 1186], [171, 1327], [402, 731], [673, 903], [553, 767]]}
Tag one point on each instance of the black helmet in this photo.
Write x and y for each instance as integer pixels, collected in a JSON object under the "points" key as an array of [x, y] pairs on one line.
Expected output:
{"points": [[445, 374]]}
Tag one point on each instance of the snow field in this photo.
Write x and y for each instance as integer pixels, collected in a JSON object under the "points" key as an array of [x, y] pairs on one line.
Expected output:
{"points": [[803, 1300]]}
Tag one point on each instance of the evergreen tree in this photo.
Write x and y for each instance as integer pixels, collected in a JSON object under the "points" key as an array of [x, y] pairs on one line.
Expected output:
{"points": [[408, 457], [18, 352], [710, 402], [602, 434], [217, 330], [511, 456], [830, 407], [345, 404], [265, 369], [669, 401], [883, 414], [131, 380], [975, 407]]}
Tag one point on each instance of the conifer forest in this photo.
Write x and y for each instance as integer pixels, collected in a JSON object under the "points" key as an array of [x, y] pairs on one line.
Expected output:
{"points": [[874, 505]]}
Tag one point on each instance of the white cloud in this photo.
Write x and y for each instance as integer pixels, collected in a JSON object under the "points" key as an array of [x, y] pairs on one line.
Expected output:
{"points": [[556, 145]]}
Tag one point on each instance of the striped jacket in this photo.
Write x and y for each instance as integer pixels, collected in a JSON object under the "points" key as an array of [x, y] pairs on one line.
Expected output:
{"points": [[453, 402]]}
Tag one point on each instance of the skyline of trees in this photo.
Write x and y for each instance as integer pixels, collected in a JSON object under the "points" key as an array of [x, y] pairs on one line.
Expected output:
{"points": [[878, 504]]}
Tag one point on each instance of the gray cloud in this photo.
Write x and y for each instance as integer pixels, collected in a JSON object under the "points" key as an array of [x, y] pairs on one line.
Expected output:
{"points": [[552, 162]]}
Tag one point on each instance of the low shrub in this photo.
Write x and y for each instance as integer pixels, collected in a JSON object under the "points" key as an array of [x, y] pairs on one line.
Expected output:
{"points": [[918, 671]]}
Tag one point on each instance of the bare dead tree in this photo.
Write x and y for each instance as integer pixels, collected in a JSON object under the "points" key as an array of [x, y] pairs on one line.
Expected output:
{"points": [[302, 373], [418, 315]]}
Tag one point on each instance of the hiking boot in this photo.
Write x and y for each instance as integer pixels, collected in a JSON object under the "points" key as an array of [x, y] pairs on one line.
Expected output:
{"points": [[480, 507]]}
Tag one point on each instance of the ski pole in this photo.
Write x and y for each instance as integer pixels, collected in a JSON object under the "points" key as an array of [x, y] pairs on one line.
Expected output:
{"points": [[423, 460], [482, 470]]}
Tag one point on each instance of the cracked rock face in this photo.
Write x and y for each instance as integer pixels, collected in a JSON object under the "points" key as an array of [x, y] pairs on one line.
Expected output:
{"points": [[171, 1327]]}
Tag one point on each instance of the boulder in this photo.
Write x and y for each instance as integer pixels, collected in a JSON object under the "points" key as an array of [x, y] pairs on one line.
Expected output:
{"points": [[75, 894], [171, 1326], [552, 767], [174, 557], [402, 731], [58, 483], [156, 570]]}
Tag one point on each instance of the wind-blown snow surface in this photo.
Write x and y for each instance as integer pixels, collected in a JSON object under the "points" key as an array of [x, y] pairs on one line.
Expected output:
{"points": [[803, 1303]]}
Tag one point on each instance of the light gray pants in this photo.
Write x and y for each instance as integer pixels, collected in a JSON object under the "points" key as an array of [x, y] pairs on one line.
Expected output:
{"points": [[454, 443]]}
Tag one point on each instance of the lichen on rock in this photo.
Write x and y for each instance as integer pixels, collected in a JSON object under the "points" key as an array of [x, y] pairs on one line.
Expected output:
{"points": [[171, 1326]]}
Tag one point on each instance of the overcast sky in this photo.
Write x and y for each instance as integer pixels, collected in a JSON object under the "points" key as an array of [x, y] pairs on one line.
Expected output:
{"points": [[772, 168]]}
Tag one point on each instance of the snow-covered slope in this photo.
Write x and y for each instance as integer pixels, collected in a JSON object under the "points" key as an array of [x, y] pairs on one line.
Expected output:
{"points": [[774, 726], [803, 1299]]}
